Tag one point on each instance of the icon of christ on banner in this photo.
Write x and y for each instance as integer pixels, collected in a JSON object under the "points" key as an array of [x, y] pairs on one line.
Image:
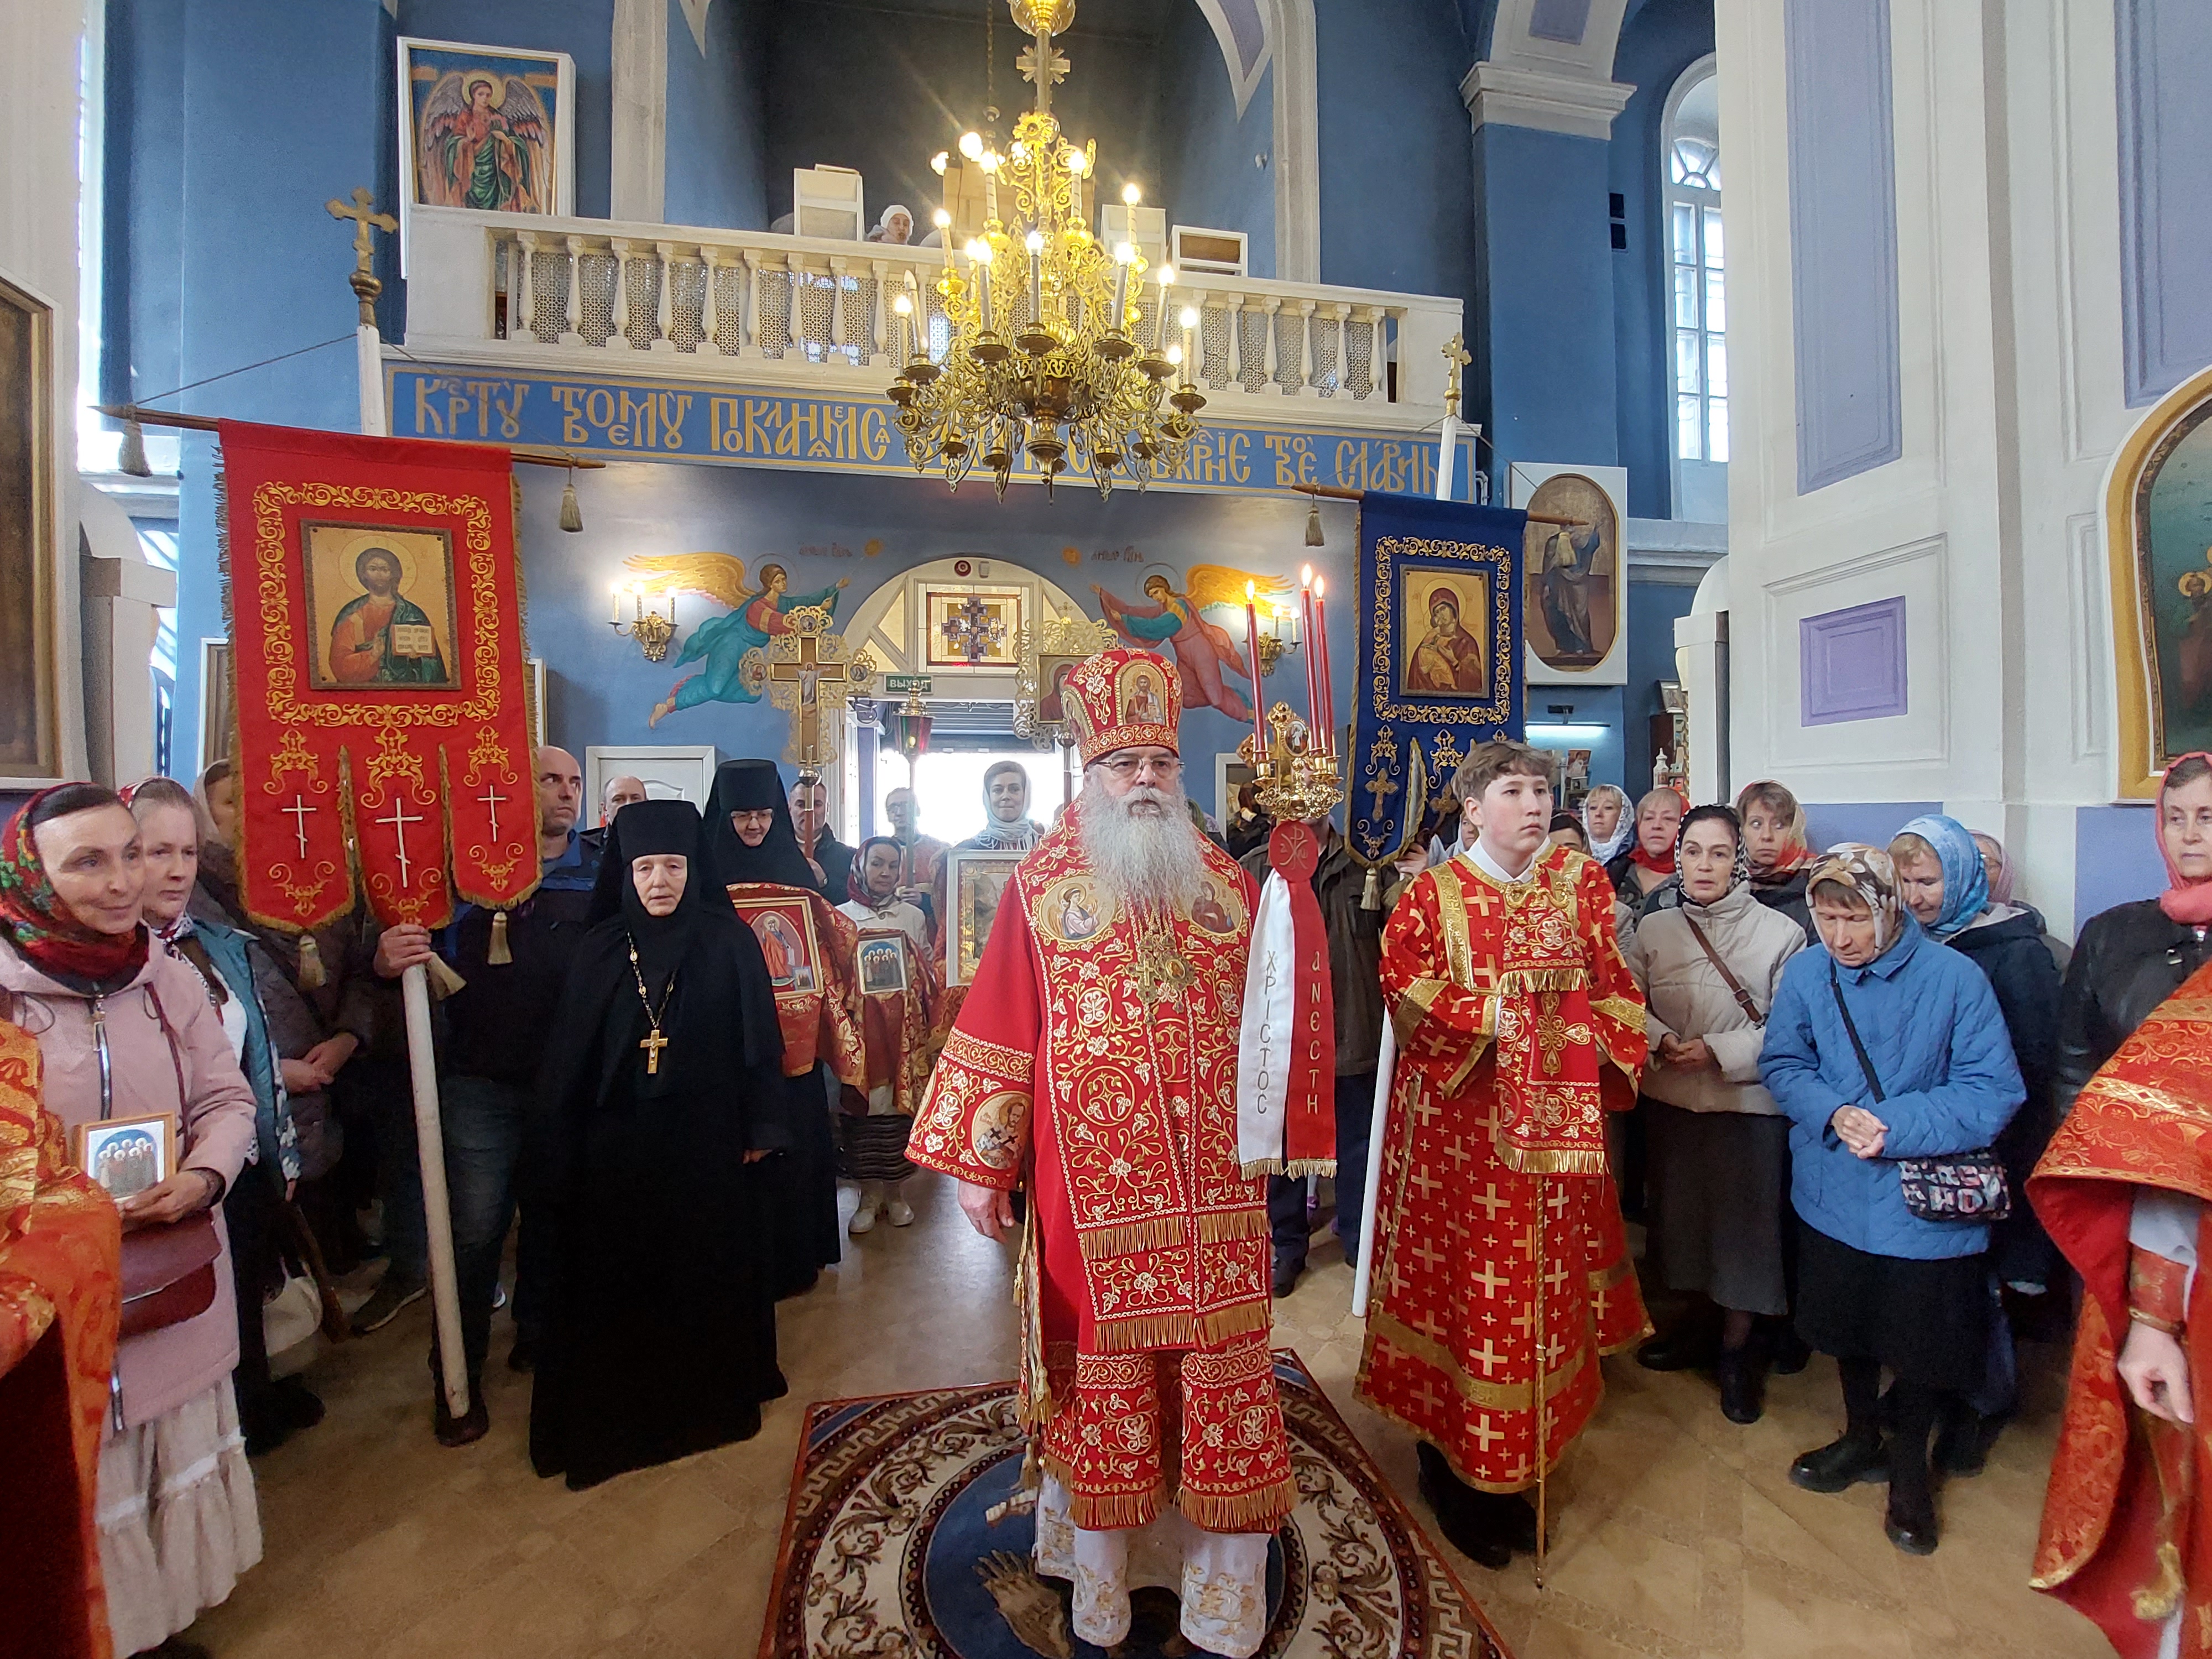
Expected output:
{"points": [[387, 593]]}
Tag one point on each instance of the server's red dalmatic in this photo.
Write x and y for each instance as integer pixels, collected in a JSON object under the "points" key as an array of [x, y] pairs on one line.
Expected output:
{"points": [[377, 650]]}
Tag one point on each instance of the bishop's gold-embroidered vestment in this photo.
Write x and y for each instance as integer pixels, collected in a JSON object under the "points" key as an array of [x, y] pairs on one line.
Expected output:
{"points": [[1095, 1062]]}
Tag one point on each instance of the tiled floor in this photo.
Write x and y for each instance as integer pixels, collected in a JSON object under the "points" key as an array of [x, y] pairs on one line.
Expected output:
{"points": [[1677, 1532]]}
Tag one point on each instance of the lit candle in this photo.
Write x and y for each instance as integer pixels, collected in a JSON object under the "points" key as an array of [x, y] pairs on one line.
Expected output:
{"points": [[1190, 362], [1160, 322], [1320, 648], [1259, 699], [1036, 244], [1122, 255], [943, 219], [1313, 660]]}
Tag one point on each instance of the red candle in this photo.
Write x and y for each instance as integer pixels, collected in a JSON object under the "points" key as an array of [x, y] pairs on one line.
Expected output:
{"points": [[1259, 697], [1313, 662], [1320, 647]]}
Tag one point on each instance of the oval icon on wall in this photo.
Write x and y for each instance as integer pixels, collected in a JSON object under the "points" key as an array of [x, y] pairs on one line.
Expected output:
{"points": [[1572, 574]]}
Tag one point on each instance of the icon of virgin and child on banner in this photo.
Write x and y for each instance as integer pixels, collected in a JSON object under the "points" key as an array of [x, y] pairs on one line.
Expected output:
{"points": [[1440, 648], [374, 609]]}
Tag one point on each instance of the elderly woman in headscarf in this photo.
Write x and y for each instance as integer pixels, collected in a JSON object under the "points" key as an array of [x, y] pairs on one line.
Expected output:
{"points": [[1718, 1150], [1883, 1046], [1944, 883], [1774, 836]]}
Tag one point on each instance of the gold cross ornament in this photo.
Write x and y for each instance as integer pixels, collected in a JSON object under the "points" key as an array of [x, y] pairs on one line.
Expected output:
{"points": [[1455, 358], [653, 1043], [363, 214], [808, 667]]}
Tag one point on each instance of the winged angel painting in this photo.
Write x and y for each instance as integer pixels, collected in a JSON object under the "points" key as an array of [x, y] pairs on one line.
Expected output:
{"points": [[485, 141], [732, 667], [1204, 652]]}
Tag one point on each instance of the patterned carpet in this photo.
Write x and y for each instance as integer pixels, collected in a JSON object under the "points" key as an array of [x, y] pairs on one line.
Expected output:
{"points": [[902, 1542]]}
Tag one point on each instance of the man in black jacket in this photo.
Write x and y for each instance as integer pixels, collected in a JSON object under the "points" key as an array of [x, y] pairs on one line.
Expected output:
{"points": [[497, 1027], [832, 860], [1355, 972]]}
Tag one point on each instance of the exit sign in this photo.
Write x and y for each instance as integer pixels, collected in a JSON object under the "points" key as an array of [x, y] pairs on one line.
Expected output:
{"points": [[916, 684]]}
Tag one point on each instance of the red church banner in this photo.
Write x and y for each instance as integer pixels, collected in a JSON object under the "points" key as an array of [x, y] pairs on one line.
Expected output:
{"points": [[376, 632]]}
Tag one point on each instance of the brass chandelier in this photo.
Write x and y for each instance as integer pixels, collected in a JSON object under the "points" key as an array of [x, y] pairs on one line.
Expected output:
{"points": [[1053, 353]]}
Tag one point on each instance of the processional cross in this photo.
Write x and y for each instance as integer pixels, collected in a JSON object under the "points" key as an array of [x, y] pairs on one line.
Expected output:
{"points": [[400, 820], [1455, 358], [806, 671], [363, 214], [973, 629]]}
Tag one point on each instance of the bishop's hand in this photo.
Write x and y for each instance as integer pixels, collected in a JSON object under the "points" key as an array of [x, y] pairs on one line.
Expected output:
{"points": [[989, 1209], [2155, 1367]]}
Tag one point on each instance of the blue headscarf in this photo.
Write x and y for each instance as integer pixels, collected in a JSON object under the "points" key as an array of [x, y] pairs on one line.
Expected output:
{"points": [[1966, 880]]}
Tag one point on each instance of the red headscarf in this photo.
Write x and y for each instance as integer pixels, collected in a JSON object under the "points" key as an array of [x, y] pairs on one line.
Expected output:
{"points": [[2188, 902], [45, 930]]}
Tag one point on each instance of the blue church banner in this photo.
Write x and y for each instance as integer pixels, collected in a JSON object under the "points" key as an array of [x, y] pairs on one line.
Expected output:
{"points": [[618, 417], [1439, 653]]}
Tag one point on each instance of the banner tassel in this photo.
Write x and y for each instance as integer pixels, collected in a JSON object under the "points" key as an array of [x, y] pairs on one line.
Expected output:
{"points": [[312, 976], [572, 516], [499, 956], [132, 460], [1371, 890]]}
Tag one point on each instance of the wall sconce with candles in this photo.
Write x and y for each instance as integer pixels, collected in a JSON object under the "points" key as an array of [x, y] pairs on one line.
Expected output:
{"points": [[1281, 638], [652, 621]]}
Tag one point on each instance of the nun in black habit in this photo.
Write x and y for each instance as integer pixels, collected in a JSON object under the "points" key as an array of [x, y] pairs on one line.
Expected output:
{"points": [[661, 1097], [802, 1186]]}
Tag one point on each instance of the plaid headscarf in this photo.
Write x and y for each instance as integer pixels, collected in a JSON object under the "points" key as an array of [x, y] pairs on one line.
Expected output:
{"points": [[1867, 872], [44, 929]]}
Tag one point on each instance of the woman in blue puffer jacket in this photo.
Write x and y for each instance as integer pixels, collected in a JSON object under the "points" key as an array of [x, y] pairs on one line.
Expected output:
{"points": [[1876, 1285]]}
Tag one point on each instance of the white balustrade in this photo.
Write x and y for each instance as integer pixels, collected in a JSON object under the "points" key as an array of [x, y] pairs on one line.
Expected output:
{"points": [[494, 288]]}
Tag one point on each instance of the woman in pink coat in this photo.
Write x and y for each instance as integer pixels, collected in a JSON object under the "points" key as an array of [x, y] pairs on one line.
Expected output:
{"points": [[125, 1032]]}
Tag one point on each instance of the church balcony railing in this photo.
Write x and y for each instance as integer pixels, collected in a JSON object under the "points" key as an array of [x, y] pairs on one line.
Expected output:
{"points": [[757, 308]]}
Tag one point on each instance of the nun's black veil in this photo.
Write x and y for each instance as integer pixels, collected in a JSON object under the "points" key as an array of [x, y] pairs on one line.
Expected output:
{"points": [[751, 786], [661, 1339]]}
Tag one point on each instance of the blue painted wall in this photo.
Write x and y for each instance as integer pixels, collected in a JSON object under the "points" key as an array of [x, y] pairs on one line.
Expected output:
{"points": [[1397, 182], [716, 167], [1843, 240], [1653, 610], [601, 689], [2164, 53], [2116, 859], [141, 290], [1873, 822], [1206, 150], [850, 86], [1542, 309], [583, 28], [1662, 39]]}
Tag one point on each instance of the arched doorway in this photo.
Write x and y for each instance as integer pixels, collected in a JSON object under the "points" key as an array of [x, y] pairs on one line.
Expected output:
{"points": [[972, 704]]}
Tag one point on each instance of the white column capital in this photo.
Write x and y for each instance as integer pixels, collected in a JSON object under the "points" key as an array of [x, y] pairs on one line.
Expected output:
{"points": [[1549, 100]]}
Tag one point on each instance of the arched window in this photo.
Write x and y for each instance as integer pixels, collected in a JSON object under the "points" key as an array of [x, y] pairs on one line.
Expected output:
{"points": [[1697, 284]]}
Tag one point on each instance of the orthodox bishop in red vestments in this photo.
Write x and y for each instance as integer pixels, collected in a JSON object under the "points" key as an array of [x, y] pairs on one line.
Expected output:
{"points": [[1095, 1063], [1498, 1230]]}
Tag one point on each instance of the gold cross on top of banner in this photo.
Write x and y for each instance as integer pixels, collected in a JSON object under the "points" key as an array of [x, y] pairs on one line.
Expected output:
{"points": [[1455, 358], [363, 214], [807, 666]]}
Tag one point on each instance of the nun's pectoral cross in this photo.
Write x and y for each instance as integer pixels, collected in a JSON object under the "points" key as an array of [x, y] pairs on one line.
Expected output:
{"points": [[653, 1043]]}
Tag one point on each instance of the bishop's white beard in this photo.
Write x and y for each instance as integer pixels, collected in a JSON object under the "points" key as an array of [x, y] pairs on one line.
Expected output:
{"points": [[1154, 858]]}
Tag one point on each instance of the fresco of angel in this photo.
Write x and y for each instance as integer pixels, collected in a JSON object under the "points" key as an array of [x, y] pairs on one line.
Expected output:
{"points": [[733, 668], [485, 142], [1204, 652]]}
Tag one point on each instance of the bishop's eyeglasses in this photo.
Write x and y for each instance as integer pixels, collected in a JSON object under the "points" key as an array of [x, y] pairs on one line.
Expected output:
{"points": [[1130, 766]]}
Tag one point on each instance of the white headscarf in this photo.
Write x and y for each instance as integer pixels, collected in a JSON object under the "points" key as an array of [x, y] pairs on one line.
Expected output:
{"points": [[1624, 828]]}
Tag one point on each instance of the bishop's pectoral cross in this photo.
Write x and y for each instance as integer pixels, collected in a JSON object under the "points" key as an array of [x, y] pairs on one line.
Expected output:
{"points": [[653, 1043], [807, 673]]}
